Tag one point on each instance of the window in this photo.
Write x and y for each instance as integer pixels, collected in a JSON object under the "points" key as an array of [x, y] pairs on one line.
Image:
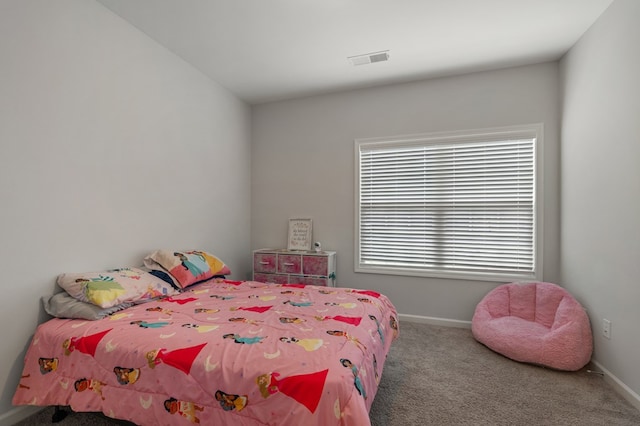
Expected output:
{"points": [[454, 205]]}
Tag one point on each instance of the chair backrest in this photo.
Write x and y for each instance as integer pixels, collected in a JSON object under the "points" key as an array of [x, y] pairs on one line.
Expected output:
{"points": [[533, 301]]}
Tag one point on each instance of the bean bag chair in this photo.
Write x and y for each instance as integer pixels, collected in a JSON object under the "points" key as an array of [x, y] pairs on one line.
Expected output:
{"points": [[538, 323]]}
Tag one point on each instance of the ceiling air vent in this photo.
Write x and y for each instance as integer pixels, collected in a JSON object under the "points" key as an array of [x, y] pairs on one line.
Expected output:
{"points": [[370, 58]]}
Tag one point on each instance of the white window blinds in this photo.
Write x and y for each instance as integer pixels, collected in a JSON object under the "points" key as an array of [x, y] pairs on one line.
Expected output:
{"points": [[447, 207]]}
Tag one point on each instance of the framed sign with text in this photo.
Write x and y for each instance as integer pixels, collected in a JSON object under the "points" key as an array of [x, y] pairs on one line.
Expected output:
{"points": [[300, 233]]}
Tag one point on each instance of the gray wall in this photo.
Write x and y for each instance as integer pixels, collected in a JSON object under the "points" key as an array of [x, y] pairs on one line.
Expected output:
{"points": [[303, 165], [110, 147], [600, 218]]}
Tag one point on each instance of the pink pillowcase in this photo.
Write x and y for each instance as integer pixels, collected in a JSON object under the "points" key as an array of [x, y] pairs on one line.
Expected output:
{"points": [[187, 267]]}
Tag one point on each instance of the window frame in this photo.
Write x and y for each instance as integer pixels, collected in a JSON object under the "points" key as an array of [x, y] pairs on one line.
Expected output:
{"points": [[527, 131]]}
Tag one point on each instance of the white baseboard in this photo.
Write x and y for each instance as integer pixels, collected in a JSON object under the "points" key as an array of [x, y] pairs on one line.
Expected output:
{"points": [[434, 321], [619, 386], [17, 414]]}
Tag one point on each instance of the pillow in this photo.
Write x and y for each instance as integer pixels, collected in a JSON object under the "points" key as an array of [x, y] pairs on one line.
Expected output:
{"points": [[164, 276], [115, 286], [187, 267], [62, 305]]}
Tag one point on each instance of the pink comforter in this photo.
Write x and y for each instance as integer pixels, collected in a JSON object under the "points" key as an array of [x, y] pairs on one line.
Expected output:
{"points": [[236, 353]]}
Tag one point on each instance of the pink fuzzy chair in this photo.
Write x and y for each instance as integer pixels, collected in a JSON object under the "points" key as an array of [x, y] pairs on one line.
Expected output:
{"points": [[538, 323]]}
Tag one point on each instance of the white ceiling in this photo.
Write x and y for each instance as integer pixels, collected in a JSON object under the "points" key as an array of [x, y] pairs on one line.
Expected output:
{"points": [[265, 50]]}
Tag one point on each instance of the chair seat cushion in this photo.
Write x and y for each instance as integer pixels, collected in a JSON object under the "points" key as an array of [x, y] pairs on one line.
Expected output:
{"points": [[538, 323]]}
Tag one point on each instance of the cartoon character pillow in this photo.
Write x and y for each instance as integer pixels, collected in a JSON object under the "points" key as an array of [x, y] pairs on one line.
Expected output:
{"points": [[115, 286], [187, 267]]}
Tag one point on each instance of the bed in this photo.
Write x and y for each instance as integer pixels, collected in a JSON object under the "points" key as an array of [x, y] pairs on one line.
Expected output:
{"points": [[219, 352]]}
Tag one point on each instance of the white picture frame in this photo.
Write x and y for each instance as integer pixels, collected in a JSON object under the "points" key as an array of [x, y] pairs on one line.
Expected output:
{"points": [[300, 233]]}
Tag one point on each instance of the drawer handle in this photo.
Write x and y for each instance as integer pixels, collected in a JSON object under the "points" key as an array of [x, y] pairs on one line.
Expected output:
{"points": [[288, 264], [264, 263]]}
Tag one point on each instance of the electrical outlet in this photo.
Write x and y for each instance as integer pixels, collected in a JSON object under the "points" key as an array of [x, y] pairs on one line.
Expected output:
{"points": [[606, 328]]}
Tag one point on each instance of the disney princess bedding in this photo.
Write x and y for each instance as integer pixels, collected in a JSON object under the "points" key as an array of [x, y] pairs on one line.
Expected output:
{"points": [[219, 352]]}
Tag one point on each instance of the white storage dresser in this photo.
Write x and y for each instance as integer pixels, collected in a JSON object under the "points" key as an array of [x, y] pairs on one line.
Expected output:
{"points": [[282, 266]]}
